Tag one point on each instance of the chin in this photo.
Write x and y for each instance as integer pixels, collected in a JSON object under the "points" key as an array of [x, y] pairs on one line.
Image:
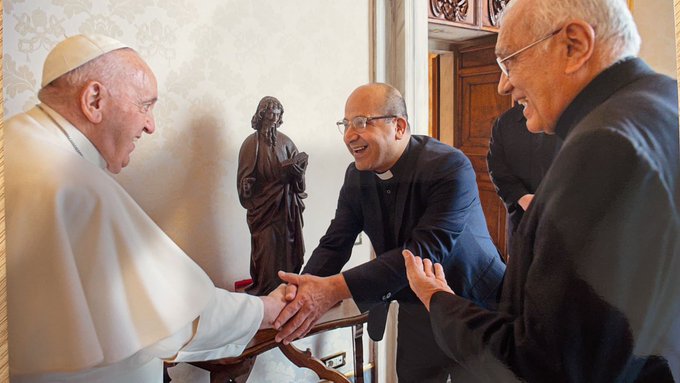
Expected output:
{"points": [[361, 166], [536, 127]]}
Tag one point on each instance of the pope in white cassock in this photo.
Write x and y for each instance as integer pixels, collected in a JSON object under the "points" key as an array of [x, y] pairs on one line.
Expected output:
{"points": [[96, 291]]}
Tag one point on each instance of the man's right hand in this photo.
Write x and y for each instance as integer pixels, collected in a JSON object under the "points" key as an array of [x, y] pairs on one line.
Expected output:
{"points": [[309, 299], [424, 278], [525, 201]]}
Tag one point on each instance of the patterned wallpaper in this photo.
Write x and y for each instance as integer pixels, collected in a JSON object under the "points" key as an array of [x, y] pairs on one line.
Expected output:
{"points": [[214, 60]]}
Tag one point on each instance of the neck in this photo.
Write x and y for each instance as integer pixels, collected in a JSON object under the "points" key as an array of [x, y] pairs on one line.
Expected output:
{"points": [[398, 152]]}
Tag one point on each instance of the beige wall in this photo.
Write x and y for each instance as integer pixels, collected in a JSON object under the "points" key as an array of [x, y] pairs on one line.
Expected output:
{"points": [[214, 60], [655, 23]]}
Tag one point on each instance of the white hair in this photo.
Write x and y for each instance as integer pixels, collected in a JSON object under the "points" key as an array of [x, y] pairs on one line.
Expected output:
{"points": [[616, 34]]}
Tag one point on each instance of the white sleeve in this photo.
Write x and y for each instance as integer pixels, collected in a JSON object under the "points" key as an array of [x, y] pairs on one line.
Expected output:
{"points": [[225, 327]]}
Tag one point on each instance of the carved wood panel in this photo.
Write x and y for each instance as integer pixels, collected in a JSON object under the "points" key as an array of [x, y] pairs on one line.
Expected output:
{"points": [[454, 11], [491, 11]]}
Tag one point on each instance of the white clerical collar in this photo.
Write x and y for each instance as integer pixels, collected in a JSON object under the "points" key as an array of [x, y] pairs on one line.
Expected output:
{"points": [[81, 144], [385, 175]]}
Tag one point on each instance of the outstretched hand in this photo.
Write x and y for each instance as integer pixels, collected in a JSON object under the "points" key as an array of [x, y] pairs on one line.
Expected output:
{"points": [[424, 278], [308, 297], [273, 304]]}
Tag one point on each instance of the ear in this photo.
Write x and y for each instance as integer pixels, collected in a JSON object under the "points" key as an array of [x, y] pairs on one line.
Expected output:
{"points": [[91, 101], [401, 128], [580, 37]]}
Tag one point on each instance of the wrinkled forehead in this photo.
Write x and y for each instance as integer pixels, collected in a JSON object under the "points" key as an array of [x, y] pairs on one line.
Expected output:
{"points": [[505, 45]]}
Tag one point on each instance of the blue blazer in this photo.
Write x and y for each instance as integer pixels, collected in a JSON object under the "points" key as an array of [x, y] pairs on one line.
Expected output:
{"points": [[438, 216]]}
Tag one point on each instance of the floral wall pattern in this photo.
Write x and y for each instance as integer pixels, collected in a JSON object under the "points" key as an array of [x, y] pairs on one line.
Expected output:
{"points": [[214, 60]]}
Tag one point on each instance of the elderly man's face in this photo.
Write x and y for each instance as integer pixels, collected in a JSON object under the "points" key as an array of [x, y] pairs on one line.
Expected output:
{"points": [[535, 77], [374, 148], [129, 115]]}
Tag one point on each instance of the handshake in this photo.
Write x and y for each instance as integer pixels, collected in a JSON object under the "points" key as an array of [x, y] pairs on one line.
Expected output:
{"points": [[297, 304]]}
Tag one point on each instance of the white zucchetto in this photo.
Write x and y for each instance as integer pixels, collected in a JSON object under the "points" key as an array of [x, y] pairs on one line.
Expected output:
{"points": [[74, 52]]}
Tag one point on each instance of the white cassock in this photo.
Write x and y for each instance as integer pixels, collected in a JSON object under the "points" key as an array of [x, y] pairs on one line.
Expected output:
{"points": [[96, 291]]}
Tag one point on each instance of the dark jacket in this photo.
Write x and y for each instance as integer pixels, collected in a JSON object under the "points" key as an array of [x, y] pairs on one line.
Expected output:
{"points": [[438, 216], [592, 291], [518, 160]]}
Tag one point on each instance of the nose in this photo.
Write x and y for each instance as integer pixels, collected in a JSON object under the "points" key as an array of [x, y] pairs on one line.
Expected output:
{"points": [[504, 85], [350, 134], [150, 123]]}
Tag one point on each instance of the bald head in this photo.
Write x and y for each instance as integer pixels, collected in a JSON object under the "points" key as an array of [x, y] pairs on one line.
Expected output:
{"points": [[377, 133], [386, 98]]}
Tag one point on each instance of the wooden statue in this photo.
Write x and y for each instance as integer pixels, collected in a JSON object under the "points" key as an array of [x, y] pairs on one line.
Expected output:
{"points": [[271, 186]]}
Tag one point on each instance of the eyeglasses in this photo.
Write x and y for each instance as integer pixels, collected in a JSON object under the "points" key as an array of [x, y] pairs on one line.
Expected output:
{"points": [[359, 123], [501, 61]]}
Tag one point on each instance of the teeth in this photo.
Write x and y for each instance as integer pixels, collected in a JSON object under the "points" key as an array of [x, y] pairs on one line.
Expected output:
{"points": [[358, 149]]}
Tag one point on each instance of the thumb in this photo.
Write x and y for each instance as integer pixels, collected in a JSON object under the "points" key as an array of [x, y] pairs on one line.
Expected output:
{"points": [[412, 268], [289, 277], [291, 292], [408, 256]]}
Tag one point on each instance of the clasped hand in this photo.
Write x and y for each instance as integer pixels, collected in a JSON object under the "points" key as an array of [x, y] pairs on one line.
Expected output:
{"points": [[308, 298]]}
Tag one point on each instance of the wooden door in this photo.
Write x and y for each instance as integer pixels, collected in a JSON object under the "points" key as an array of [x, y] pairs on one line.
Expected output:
{"points": [[471, 104]]}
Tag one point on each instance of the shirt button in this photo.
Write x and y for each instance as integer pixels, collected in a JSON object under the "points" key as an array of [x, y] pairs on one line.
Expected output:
{"points": [[387, 296], [389, 191]]}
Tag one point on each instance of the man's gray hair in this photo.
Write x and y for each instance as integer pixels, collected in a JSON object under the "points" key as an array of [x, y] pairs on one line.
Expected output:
{"points": [[616, 34]]}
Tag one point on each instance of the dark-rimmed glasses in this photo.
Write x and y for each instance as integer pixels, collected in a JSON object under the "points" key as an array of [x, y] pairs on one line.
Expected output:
{"points": [[501, 61], [359, 123]]}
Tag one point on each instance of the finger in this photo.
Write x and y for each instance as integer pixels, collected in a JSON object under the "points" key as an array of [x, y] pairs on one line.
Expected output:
{"points": [[290, 277], [291, 326], [301, 331], [288, 312], [439, 272], [410, 263], [427, 268], [419, 264], [291, 292]]}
